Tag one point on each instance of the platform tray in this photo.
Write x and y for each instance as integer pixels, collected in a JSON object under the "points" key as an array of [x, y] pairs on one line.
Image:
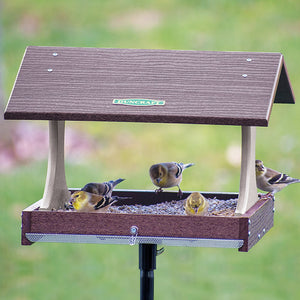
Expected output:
{"points": [[240, 231]]}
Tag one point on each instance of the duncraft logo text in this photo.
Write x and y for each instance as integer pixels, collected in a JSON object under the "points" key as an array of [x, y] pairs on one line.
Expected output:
{"points": [[138, 102]]}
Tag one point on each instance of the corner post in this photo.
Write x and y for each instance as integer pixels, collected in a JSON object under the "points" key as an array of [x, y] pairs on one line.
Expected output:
{"points": [[248, 190], [56, 191]]}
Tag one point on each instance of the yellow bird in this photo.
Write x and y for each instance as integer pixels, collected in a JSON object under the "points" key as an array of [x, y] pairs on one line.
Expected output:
{"points": [[196, 205], [270, 180], [166, 175], [87, 202], [104, 189]]}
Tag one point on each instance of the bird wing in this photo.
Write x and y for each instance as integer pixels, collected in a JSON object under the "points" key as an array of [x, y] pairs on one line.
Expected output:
{"points": [[282, 179], [95, 199], [276, 179], [173, 168], [106, 201], [101, 203], [95, 188], [272, 173], [178, 168]]}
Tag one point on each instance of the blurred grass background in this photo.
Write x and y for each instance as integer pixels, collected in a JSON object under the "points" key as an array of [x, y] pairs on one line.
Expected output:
{"points": [[111, 150]]}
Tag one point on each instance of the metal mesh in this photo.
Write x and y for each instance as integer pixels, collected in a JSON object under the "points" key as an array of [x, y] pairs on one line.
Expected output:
{"points": [[126, 240]]}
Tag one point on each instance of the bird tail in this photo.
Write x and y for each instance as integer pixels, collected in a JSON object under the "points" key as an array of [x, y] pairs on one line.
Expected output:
{"points": [[117, 198], [108, 201], [184, 166], [294, 180], [115, 182]]}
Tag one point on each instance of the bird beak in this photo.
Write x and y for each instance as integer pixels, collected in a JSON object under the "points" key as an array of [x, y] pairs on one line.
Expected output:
{"points": [[260, 168], [158, 180]]}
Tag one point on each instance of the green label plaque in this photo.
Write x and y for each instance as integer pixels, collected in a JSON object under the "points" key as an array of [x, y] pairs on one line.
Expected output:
{"points": [[138, 102]]}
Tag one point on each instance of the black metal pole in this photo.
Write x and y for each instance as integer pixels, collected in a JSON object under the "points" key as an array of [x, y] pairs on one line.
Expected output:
{"points": [[147, 265]]}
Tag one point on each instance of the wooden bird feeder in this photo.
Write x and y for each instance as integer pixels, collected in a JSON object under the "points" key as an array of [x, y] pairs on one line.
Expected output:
{"points": [[199, 87]]}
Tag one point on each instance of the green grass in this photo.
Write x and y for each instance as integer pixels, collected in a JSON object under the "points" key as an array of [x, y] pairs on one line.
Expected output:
{"points": [[73, 271]]}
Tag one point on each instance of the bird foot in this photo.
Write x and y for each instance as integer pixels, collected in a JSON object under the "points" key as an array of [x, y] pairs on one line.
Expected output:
{"points": [[265, 196], [158, 190], [179, 194]]}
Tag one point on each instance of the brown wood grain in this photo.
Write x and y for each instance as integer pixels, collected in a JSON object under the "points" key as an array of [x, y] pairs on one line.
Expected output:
{"points": [[260, 223], [204, 87], [210, 227], [120, 224], [26, 227]]}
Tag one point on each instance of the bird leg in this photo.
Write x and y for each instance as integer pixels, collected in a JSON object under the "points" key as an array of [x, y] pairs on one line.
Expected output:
{"points": [[158, 190], [179, 195]]}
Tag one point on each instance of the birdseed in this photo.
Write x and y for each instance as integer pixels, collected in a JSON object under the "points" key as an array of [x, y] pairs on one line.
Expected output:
{"points": [[216, 207]]}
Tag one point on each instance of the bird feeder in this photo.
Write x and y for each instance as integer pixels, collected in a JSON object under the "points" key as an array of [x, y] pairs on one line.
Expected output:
{"points": [[129, 85]]}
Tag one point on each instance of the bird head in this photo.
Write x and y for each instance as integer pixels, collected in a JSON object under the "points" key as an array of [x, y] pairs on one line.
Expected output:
{"points": [[259, 168], [195, 203], [158, 174], [79, 199]]}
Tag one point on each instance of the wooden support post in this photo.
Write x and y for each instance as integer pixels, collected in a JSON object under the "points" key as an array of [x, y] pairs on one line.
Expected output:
{"points": [[56, 191], [248, 190]]}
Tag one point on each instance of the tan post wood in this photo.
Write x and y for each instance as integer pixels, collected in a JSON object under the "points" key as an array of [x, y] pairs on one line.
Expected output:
{"points": [[56, 191], [248, 190]]}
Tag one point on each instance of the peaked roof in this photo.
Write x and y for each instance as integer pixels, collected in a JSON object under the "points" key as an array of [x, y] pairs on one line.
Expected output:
{"points": [[204, 87]]}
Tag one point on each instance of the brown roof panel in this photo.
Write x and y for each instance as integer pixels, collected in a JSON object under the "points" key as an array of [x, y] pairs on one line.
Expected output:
{"points": [[202, 87]]}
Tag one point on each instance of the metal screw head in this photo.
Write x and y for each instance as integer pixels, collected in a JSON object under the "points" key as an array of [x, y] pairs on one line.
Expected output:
{"points": [[249, 233], [50, 70], [54, 54], [264, 230], [133, 230], [274, 209], [249, 59], [258, 236], [249, 222], [244, 75]]}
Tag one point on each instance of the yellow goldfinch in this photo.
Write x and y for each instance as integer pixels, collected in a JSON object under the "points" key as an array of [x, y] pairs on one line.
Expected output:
{"points": [[196, 205], [270, 180], [87, 202], [166, 175], [104, 189]]}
